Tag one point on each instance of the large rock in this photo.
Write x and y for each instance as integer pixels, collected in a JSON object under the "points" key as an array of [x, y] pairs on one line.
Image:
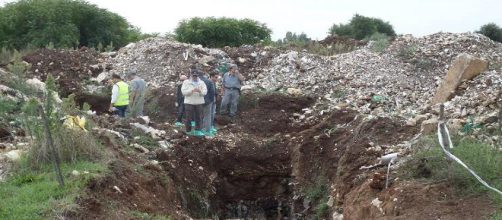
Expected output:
{"points": [[464, 67], [429, 126]]}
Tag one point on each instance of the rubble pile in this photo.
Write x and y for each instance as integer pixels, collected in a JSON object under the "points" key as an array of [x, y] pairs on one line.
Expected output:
{"points": [[400, 81], [396, 82], [161, 61]]}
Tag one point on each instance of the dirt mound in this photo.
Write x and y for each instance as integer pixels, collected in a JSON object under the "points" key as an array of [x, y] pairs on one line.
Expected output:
{"points": [[69, 67], [333, 40]]}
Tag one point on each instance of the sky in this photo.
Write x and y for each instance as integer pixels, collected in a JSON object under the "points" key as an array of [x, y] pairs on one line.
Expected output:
{"points": [[313, 17]]}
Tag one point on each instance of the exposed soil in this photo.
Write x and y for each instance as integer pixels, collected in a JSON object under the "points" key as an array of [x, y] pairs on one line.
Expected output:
{"points": [[160, 105], [262, 166], [100, 104], [69, 67]]}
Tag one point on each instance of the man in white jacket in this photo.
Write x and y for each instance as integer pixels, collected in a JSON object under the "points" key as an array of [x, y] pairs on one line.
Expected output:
{"points": [[194, 90]]}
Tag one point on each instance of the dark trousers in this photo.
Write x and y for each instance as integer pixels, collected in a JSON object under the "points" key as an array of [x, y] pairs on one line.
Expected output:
{"points": [[193, 113], [181, 111], [121, 110]]}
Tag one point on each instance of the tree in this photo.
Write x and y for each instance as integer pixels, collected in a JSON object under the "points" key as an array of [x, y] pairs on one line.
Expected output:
{"points": [[293, 38], [492, 31], [64, 23], [361, 27], [220, 32]]}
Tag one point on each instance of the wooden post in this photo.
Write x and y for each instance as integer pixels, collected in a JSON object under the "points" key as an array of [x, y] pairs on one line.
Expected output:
{"points": [[50, 144]]}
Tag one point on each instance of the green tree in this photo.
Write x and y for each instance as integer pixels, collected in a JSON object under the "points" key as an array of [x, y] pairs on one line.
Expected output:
{"points": [[64, 23], [361, 27], [220, 32], [293, 38], [492, 31]]}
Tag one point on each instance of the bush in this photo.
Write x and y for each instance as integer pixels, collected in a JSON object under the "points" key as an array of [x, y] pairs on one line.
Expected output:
{"points": [[220, 32], [70, 144], [62, 23], [379, 42], [492, 31], [361, 27]]}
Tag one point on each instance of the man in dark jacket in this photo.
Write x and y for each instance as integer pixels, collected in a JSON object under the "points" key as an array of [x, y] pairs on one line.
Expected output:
{"points": [[209, 100], [180, 102]]}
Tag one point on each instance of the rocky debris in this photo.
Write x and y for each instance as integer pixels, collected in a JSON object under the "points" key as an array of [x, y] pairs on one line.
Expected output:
{"points": [[160, 61], [40, 87], [429, 126], [464, 67], [154, 133]]}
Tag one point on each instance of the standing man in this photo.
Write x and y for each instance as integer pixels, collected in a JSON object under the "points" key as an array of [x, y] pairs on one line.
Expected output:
{"points": [[120, 96], [231, 90], [208, 104], [214, 78], [137, 87], [180, 101], [193, 90]]}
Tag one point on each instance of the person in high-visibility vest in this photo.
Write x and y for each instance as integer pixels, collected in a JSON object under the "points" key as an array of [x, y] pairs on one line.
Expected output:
{"points": [[120, 96]]}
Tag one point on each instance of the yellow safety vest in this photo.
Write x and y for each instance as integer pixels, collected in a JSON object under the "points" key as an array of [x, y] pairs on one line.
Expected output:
{"points": [[123, 96]]}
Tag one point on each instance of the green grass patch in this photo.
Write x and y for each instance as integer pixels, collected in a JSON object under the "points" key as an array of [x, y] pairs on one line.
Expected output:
{"points": [[7, 106], [30, 194], [318, 193], [429, 161]]}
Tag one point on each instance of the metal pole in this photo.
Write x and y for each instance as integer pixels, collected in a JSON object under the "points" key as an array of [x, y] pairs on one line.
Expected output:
{"points": [[444, 139], [50, 144]]}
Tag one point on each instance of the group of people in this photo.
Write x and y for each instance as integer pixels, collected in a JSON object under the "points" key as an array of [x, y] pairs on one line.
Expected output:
{"points": [[197, 96], [127, 95]]}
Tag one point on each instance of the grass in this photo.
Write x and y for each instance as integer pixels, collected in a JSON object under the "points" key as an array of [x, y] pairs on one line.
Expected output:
{"points": [[30, 194], [318, 194], [146, 216], [7, 106], [485, 160]]}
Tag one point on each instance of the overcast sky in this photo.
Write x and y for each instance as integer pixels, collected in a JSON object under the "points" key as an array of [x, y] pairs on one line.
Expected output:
{"points": [[314, 17]]}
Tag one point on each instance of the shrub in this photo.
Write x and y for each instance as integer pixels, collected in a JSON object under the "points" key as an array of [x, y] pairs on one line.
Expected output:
{"points": [[361, 27], [64, 23], [492, 31], [379, 42], [220, 32], [70, 144]]}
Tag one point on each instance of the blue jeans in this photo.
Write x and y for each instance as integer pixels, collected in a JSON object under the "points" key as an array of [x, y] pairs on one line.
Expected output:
{"points": [[121, 110], [208, 117], [213, 109]]}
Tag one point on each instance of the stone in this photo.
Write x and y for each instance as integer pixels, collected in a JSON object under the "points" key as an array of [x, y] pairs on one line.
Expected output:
{"points": [[455, 125], [140, 148], [429, 126], [337, 216], [490, 118], [464, 67], [14, 155], [75, 173], [411, 122], [294, 91]]}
